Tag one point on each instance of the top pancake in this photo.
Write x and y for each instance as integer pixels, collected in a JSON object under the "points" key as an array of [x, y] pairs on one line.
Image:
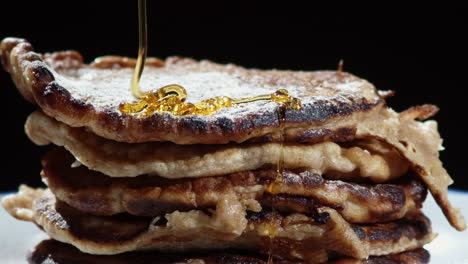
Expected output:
{"points": [[88, 95]]}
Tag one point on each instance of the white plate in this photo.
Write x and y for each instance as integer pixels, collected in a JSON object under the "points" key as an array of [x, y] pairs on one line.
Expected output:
{"points": [[450, 247]]}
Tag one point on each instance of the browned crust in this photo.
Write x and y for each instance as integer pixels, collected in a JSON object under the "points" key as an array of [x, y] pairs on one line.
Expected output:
{"points": [[414, 225], [417, 256], [30, 72], [55, 252], [96, 193], [396, 229]]}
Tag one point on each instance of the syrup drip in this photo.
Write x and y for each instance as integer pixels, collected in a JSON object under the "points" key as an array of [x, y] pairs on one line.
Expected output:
{"points": [[274, 186], [340, 67]]}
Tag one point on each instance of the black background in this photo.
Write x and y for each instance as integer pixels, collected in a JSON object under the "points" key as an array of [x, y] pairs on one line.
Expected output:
{"points": [[419, 52]]}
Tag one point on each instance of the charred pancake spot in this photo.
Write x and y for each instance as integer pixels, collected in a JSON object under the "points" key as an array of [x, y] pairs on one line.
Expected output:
{"points": [[267, 215], [259, 217], [320, 218], [194, 124], [359, 231], [320, 135], [225, 124], [101, 229], [297, 204], [152, 207], [395, 195], [254, 121], [414, 226], [306, 179], [320, 111], [160, 221], [42, 74], [311, 179], [380, 234]]}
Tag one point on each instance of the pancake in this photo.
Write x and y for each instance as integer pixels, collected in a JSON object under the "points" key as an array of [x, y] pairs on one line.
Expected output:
{"points": [[374, 158], [89, 95], [54, 252], [169, 160], [296, 235], [95, 193]]}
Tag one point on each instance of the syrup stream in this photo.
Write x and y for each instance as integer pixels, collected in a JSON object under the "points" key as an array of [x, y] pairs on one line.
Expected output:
{"points": [[142, 49]]}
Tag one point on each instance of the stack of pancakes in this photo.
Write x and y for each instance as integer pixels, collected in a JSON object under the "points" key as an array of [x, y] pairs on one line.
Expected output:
{"points": [[163, 188]]}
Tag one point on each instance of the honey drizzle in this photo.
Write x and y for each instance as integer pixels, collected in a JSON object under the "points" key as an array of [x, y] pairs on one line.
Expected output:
{"points": [[274, 186], [142, 49], [340, 67], [171, 99]]}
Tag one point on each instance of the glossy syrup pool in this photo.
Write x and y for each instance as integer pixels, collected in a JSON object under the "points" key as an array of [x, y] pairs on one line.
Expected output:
{"points": [[172, 99]]}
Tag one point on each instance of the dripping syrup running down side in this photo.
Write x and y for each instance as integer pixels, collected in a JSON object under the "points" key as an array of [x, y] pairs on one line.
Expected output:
{"points": [[274, 186]]}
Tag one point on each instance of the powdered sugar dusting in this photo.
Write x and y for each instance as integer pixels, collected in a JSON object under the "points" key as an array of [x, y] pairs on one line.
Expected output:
{"points": [[108, 88]]}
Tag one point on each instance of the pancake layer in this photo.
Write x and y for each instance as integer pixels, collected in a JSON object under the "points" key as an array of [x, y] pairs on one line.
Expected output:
{"points": [[89, 95], [303, 191], [54, 252], [295, 235]]}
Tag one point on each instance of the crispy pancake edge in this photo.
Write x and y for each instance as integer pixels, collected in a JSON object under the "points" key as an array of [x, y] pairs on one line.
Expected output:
{"points": [[32, 75]]}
